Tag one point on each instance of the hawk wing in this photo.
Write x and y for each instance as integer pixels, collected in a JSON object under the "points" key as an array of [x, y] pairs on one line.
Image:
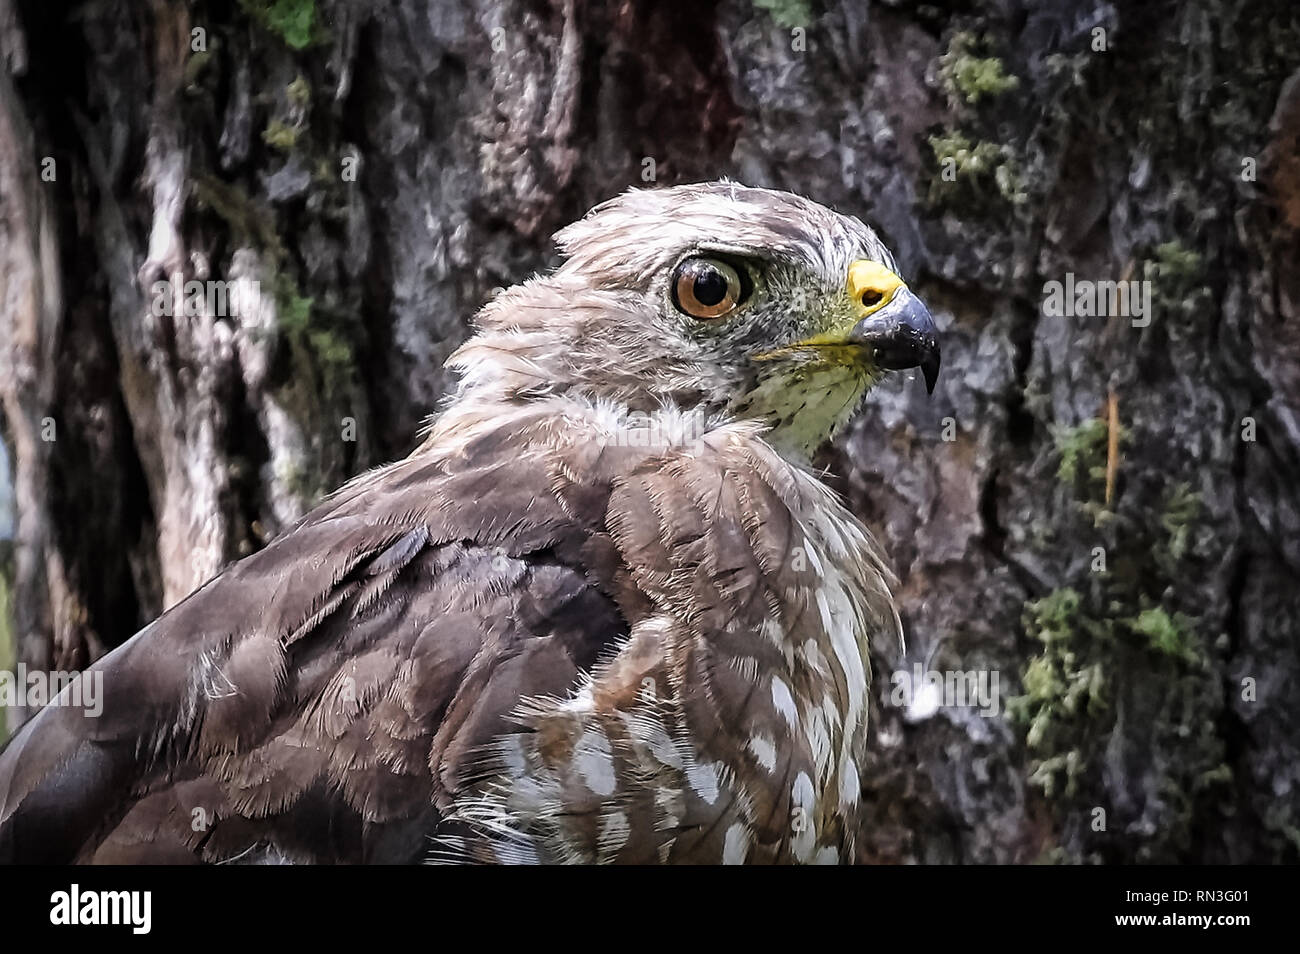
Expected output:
{"points": [[324, 699]]}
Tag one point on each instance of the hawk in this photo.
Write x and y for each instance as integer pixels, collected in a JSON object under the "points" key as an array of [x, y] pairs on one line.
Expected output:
{"points": [[605, 612]]}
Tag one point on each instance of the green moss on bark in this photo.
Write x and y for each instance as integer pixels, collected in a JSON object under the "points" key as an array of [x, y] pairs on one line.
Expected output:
{"points": [[973, 175], [787, 14], [969, 77], [295, 22]]}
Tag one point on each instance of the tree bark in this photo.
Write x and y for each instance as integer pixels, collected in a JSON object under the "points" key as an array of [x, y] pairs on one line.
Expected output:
{"points": [[1099, 512]]}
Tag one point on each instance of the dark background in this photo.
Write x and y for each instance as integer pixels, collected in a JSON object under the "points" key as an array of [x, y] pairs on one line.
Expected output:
{"points": [[143, 453]]}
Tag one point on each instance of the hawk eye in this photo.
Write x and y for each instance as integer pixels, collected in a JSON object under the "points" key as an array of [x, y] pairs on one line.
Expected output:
{"points": [[707, 288]]}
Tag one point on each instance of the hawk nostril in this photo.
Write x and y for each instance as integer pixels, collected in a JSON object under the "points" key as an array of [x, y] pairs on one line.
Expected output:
{"points": [[871, 297]]}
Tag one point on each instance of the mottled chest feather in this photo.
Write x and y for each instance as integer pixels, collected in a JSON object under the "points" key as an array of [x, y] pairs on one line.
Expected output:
{"points": [[730, 723]]}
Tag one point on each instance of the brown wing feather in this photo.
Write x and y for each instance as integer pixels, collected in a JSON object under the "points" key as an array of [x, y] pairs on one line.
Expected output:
{"points": [[322, 699]]}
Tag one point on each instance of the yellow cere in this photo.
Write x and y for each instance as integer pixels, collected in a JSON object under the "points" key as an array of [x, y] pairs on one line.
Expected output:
{"points": [[871, 285]]}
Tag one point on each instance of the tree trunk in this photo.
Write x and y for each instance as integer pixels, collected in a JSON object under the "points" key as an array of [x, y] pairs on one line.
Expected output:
{"points": [[1101, 513]]}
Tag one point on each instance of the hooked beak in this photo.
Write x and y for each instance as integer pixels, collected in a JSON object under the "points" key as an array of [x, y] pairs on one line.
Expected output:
{"points": [[895, 325]]}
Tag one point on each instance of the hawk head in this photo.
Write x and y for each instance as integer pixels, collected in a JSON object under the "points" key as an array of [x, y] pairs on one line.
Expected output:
{"points": [[746, 302]]}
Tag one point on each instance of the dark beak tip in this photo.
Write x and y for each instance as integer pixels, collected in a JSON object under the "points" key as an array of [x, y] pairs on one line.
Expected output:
{"points": [[902, 335], [930, 369]]}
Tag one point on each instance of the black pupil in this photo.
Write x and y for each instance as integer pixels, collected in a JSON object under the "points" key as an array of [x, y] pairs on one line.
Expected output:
{"points": [[710, 287]]}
